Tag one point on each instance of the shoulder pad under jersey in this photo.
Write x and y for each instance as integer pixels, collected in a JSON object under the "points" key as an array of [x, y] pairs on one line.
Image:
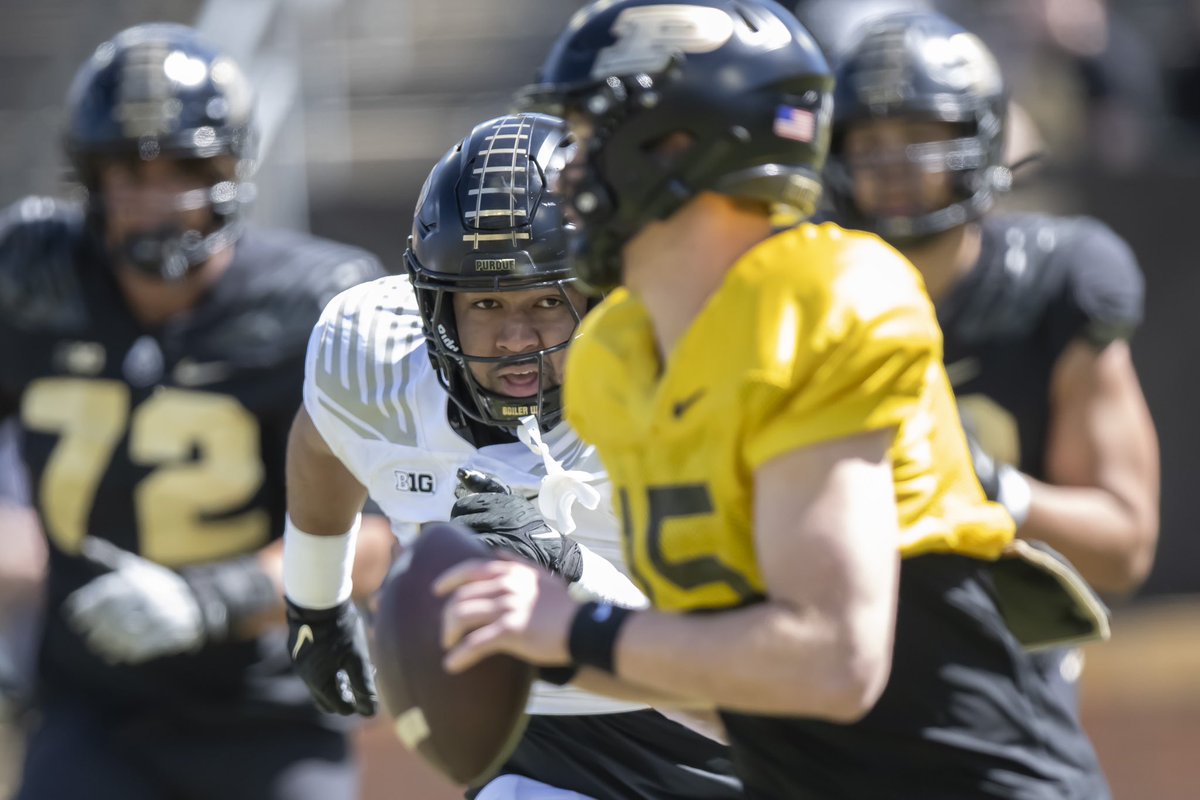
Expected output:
{"points": [[361, 360]]}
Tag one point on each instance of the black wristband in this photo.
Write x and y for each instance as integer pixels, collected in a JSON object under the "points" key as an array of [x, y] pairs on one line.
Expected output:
{"points": [[230, 592], [594, 632], [559, 676]]}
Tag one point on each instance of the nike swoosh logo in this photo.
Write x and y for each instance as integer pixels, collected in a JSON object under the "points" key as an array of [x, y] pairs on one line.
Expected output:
{"points": [[200, 373], [681, 406], [81, 358], [963, 370], [303, 637]]}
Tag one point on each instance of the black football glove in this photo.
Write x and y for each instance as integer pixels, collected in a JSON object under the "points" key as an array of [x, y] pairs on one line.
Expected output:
{"points": [[506, 521], [329, 650]]}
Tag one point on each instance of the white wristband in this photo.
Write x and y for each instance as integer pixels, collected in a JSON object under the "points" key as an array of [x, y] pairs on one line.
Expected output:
{"points": [[317, 569], [1014, 493]]}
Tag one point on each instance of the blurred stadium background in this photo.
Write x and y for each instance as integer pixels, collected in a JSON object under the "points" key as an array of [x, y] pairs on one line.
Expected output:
{"points": [[357, 98]]}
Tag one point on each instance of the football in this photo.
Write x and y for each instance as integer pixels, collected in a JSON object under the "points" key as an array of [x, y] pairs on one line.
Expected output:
{"points": [[465, 725]]}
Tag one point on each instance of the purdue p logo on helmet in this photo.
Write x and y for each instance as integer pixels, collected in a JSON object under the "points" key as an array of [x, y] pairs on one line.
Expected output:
{"points": [[680, 98]]}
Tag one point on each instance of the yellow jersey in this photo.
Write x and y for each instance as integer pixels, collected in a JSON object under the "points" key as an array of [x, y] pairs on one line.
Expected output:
{"points": [[815, 334]]}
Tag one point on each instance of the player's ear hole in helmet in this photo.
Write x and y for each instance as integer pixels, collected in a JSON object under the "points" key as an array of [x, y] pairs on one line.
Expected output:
{"points": [[743, 83], [160, 93], [487, 220], [919, 68]]}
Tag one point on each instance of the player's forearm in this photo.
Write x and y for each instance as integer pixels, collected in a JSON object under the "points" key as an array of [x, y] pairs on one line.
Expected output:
{"points": [[324, 500], [372, 556], [24, 562], [600, 682], [1110, 541], [23, 568], [765, 658], [699, 715], [1100, 508], [270, 561], [323, 496]]}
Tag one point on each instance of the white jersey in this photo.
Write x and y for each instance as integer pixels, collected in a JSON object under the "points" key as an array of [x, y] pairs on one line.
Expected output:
{"points": [[372, 392]]}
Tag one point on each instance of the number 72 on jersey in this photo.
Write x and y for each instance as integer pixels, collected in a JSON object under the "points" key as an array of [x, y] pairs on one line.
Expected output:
{"points": [[204, 453]]}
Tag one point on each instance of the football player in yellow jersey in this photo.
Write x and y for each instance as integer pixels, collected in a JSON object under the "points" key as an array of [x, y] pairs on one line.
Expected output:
{"points": [[795, 487]]}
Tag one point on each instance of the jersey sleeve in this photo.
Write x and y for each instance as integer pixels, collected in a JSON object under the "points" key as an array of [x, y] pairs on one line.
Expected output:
{"points": [[1104, 291], [851, 374], [355, 370], [588, 385], [39, 292], [577, 383]]}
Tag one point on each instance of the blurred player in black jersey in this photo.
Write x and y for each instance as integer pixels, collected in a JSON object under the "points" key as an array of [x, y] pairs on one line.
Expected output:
{"points": [[1036, 310], [152, 351]]}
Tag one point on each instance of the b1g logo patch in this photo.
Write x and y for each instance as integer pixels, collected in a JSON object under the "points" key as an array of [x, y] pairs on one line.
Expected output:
{"points": [[648, 37], [418, 482]]}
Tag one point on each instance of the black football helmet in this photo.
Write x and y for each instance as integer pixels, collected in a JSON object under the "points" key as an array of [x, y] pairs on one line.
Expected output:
{"points": [[486, 221], [835, 23], [741, 79], [160, 91], [923, 66]]}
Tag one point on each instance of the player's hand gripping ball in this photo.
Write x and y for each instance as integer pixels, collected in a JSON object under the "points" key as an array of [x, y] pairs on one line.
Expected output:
{"points": [[465, 725]]}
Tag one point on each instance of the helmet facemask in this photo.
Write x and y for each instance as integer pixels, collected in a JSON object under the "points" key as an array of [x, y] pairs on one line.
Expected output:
{"points": [[972, 183], [920, 68], [453, 365], [487, 221], [181, 230], [160, 93]]}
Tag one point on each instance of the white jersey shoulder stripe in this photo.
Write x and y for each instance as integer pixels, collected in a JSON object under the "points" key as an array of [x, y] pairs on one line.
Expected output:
{"points": [[358, 360]]}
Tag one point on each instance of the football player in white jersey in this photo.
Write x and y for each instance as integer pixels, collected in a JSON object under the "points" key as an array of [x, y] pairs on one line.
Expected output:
{"points": [[437, 393]]}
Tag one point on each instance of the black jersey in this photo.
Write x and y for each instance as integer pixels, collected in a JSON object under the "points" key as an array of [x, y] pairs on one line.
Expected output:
{"points": [[1040, 283], [966, 713], [170, 443]]}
